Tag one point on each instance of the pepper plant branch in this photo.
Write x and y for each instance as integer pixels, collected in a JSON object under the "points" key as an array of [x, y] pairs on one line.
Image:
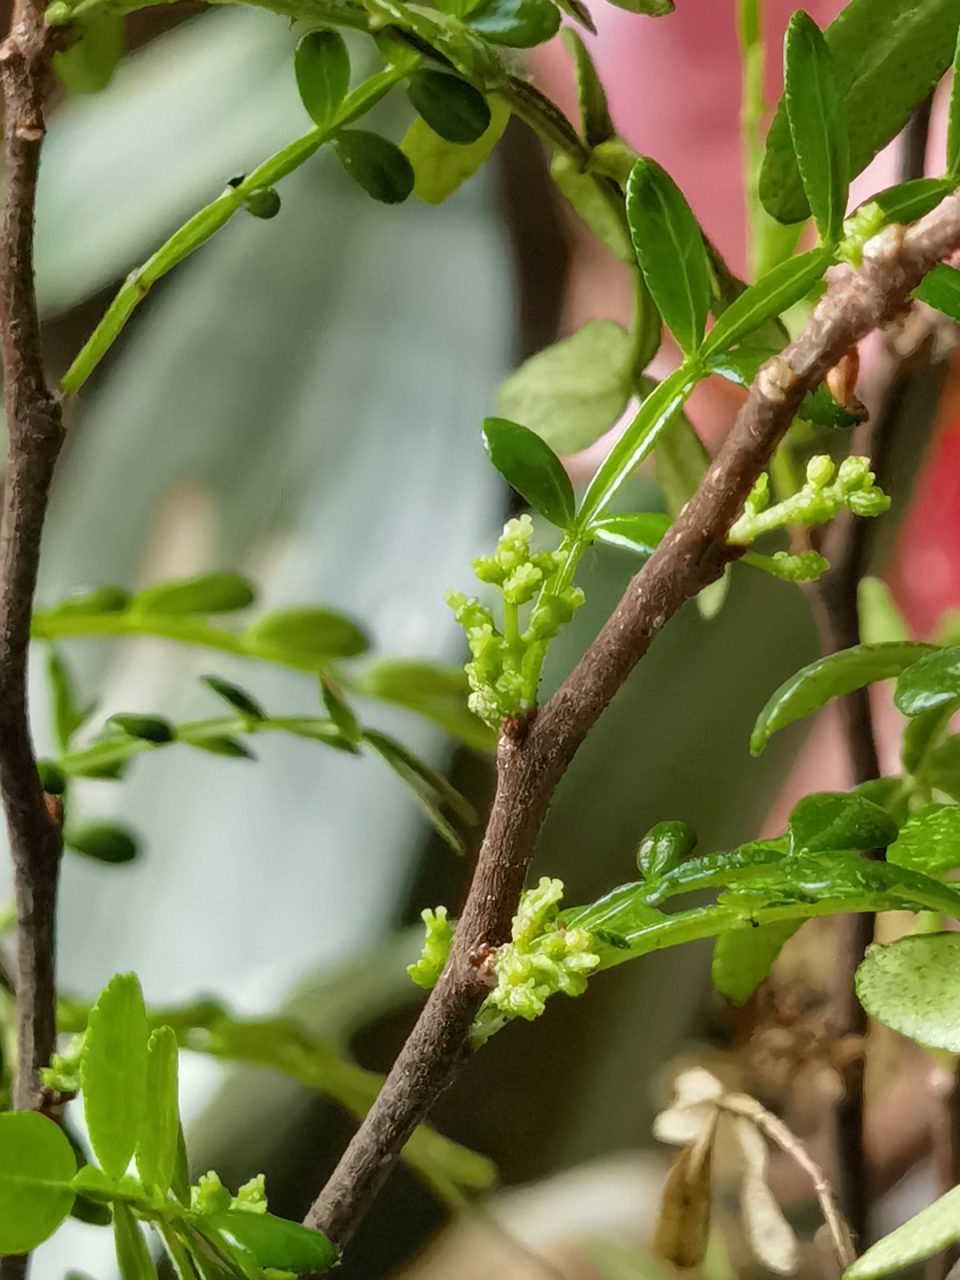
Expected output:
{"points": [[534, 754], [34, 434]]}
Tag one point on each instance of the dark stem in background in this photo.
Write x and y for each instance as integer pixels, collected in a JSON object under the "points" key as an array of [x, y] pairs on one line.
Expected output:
{"points": [[34, 436], [533, 755], [847, 546]]}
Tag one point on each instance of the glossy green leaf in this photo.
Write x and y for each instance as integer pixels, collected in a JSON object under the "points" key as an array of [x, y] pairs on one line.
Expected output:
{"points": [[570, 393], [375, 164], [436, 691], [159, 1133], [639, 532], [742, 958], [88, 65], [596, 125], [91, 603], [595, 199], [929, 1232], [277, 1243], [832, 677], [779, 289], [887, 57], [929, 683], [530, 466], [942, 770], [652, 8], [451, 107], [103, 842], [113, 1072], [304, 636], [953, 121], [839, 820], [929, 841], [68, 715], [36, 1166], [518, 24], [921, 739], [941, 290], [133, 1256], [431, 788], [909, 201], [670, 252], [322, 66], [681, 462], [913, 986], [441, 167], [664, 847], [238, 698], [817, 125], [207, 593], [151, 728]]}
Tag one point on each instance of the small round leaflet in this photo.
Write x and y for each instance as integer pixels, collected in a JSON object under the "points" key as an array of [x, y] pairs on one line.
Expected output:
{"points": [[36, 1166]]}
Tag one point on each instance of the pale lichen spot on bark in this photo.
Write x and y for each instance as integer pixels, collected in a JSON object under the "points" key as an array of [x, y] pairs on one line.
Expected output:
{"points": [[776, 379], [885, 247]]}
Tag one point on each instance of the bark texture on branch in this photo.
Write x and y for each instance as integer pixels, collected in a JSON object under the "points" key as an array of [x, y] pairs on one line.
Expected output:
{"points": [[532, 757], [34, 435]]}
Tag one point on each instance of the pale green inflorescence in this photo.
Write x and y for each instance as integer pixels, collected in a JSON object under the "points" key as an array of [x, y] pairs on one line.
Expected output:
{"points": [[210, 1196], [505, 670], [827, 491], [436, 948]]}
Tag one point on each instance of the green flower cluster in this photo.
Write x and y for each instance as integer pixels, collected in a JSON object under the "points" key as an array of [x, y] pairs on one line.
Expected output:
{"points": [[436, 948], [211, 1196], [505, 670], [827, 491], [542, 958]]}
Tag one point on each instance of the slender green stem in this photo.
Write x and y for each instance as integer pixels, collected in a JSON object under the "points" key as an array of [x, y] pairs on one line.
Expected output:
{"points": [[752, 106]]}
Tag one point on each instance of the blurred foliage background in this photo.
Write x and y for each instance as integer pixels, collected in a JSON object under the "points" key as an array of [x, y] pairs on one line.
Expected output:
{"points": [[300, 401]]}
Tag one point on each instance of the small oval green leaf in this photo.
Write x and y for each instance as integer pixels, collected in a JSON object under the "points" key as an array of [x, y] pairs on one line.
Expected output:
{"points": [[664, 847], [322, 67], [150, 728], [670, 252], [839, 820], [305, 636], [113, 1072], [92, 603], [832, 677], [375, 164], [206, 593], [530, 466], [36, 1166], [238, 698], [277, 1243], [817, 125], [742, 958], [450, 106], [102, 842], [518, 24], [931, 682]]}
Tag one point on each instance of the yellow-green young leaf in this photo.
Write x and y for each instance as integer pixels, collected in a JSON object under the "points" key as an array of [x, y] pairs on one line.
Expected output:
{"points": [[441, 167], [133, 1256], [322, 67], [817, 125], [670, 252], [589, 199], [595, 122], [304, 636], [208, 593], [88, 65], [113, 1072], [929, 841], [160, 1130], [573, 391], [930, 1231], [913, 986], [36, 1166], [742, 958], [887, 58]]}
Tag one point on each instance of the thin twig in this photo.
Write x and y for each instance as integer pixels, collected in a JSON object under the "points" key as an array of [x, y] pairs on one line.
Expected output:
{"points": [[533, 755], [34, 436]]}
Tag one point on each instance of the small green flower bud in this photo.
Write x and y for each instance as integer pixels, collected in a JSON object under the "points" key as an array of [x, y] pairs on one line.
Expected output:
{"points": [[58, 14], [820, 471], [436, 948], [263, 203]]}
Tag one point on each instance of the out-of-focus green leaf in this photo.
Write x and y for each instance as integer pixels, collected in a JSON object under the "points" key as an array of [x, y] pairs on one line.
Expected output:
{"points": [[881, 622], [817, 124], [670, 252], [433, 690], [113, 1072], [595, 205], [942, 770], [887, 58], [742, 958], [595, 123], [208, 593], [913, 986], [832, 677], [68, 715], [88, 65], [431, 788], [36, 1166], [103, 842], [237, 698], [530, 466], [305, 637], [151, 728], [441, 167], [322, 66], [571, 392]]}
